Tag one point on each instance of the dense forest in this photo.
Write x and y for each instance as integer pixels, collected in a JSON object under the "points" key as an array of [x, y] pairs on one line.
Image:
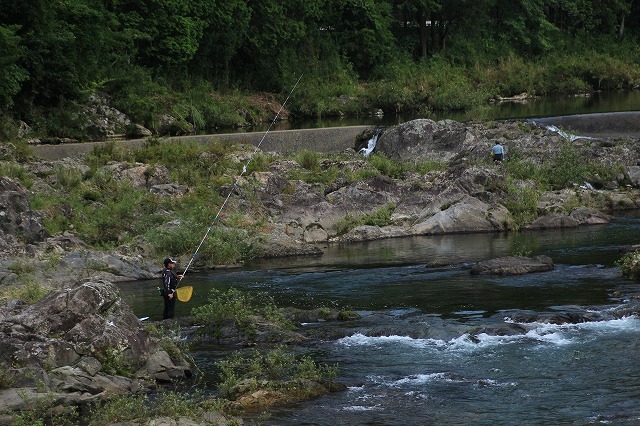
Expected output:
{"points": [[217, 63]]}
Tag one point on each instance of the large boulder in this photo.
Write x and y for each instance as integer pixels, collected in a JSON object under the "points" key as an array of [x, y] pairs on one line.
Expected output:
{"points": [[102, 120], [423, 139], [466, 215], [78, 344]]}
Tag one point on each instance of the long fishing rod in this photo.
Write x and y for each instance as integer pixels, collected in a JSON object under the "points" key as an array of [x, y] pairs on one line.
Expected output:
{"points": [[235, 184]]}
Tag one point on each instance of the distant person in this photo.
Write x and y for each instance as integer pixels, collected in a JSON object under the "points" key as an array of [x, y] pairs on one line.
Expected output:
{"points": [[169, 285], [498, 152]]}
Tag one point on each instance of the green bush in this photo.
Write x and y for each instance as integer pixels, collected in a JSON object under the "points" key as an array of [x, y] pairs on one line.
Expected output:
{"points": [[273, 369], [380, 217], [630, 265], [239, 308], [17, 172], [522, 202], [127, 408]]}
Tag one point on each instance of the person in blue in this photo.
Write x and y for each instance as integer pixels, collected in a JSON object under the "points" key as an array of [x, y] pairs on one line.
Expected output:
{"points": [[498, 152], [169, 285]]}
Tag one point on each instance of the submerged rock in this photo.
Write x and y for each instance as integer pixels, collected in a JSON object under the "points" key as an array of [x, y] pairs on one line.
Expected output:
{"points": [[513, 265]]}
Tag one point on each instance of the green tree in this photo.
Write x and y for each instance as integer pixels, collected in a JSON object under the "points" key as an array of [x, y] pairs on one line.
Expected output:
{"points": [[11, 73], [165, 33], [362, 32], [227, 27]]}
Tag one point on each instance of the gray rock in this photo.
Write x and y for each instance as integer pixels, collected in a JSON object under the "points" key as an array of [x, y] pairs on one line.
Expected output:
{"points": [[467, 215], [72, 339], [554, 220], [513, 265], [16, 216], [424, 139], [139, 175]]}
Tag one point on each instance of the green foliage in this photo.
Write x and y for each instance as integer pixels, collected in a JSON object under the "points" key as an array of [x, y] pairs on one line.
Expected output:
{"points": [[310, 160], [195, 60], [396, 168], [29, 290], [12, 74], [630, 265], [522, 202], [380, 217], [273, 369], [113, 362], [562, 170], [565, 168], [126, 408], [241, 309], [17, 172]]}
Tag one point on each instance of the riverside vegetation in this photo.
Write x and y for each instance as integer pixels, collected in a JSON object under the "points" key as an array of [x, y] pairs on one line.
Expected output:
{"points": [[174, 67]]}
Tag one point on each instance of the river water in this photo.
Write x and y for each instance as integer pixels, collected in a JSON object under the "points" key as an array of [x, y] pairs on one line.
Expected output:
{"points": [[548, 106], [423, 351]]}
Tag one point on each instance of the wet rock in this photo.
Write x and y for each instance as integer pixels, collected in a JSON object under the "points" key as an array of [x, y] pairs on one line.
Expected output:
{"points": [[555, 220], [370, 233], [513, 265], [590, 216]]}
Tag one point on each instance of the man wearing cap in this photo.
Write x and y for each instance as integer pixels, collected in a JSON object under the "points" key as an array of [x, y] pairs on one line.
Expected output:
{"points": [[170, 283]]}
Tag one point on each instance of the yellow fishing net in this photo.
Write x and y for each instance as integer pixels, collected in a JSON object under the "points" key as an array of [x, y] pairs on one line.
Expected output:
{"points": [[184, 293]]}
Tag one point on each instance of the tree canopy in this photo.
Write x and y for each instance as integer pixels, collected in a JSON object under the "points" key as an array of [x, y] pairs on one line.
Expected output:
{"points": [[55, 51]]}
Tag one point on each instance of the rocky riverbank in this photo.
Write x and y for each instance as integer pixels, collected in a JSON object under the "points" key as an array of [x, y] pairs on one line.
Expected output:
{"points": [[75, 343], [462, 192]]}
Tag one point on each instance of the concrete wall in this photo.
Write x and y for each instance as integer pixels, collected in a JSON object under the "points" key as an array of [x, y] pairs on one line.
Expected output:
{"points": [[331, 139], [611, 124]]}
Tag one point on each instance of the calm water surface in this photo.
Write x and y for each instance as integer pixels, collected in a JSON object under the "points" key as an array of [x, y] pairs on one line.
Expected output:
{"points": [[549, 106], [416, 356]]}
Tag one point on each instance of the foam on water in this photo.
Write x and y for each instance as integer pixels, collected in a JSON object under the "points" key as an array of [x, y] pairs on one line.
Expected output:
{"points": [[538, 333]]}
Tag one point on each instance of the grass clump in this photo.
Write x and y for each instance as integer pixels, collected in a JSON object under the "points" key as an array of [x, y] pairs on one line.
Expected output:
{"points": [[396, 168], [380, 217], [17, 172], [126, 408], [239, 309], [274, 369], [630, 265], [522, 202]]}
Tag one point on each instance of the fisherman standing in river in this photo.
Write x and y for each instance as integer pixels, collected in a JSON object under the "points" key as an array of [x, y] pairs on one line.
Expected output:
{"points": [[169, 285], [498, 152]]}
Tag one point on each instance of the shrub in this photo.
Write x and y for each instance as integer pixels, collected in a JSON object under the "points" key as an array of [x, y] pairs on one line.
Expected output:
{"points": [[273, 369], [630, 265], [126, 408], [380, 217], [17, 172], [522, 202], [239, 308]]}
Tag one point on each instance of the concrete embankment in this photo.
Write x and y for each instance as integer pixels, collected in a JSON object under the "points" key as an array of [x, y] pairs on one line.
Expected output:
{"points": [[611, 124], [337, 139], [330, 139]]}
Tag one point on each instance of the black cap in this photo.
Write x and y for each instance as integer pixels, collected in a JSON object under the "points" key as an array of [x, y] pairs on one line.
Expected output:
{"points": [[169, 260]]}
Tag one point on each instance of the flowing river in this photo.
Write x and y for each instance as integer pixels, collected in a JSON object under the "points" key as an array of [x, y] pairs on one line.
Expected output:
{"points": [[423, 352]]}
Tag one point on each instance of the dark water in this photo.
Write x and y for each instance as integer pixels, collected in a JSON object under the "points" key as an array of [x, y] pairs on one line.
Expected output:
{"points": [[549, 106], [416, 356]]}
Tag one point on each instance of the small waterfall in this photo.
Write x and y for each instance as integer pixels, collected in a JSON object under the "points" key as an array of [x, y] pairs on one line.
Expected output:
{"points": [[568, 136], [371, 144]]}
